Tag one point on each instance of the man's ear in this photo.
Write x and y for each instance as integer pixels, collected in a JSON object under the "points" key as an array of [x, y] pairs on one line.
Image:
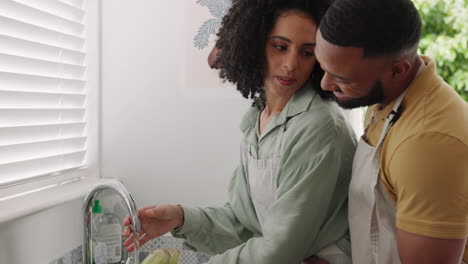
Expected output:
{"points": [[401, 69]]}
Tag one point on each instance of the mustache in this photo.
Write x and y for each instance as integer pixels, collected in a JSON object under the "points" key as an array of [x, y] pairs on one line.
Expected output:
{"points": [[327, 94]]}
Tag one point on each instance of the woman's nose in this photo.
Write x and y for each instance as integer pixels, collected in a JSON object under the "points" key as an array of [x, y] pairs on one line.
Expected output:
{"points": [[291, 62]]}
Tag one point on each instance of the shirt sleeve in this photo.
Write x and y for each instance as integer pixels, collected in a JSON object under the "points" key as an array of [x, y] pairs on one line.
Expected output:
{"points": [[429, 175], [309, 211], [214, 230]]}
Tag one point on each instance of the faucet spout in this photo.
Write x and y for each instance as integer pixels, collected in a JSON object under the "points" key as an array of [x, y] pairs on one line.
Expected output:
{"points": [[115, 186]]}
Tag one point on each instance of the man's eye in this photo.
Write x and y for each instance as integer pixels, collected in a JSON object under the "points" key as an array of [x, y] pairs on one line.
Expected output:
{"points": [[308, 53], [341, 81]]}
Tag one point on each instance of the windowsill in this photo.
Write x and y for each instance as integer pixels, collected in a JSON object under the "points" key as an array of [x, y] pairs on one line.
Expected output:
{"points": [[47, 197]]}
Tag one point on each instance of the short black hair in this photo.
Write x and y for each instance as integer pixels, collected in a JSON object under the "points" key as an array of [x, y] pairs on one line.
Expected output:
{"points": [[243, 36], [380, 27]]}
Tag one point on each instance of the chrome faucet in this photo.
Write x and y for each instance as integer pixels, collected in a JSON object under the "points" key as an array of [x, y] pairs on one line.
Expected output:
{"points": [[108, 184]]}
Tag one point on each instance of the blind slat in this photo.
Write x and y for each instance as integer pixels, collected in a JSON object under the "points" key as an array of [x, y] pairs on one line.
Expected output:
{"points": [[27, 169], [57, 8], [30, 15], [22, 30], [26, 65], [31, 117], [25, 48], [28, 151], [75, 3], [10, 99], [23, 134], [33, 83]]}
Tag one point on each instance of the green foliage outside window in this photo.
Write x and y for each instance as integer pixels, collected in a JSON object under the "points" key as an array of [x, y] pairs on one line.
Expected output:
{"points": [[445, 39]]}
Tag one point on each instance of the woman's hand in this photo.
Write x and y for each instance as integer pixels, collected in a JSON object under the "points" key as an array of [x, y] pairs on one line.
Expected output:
{"points": [[155, 221]]}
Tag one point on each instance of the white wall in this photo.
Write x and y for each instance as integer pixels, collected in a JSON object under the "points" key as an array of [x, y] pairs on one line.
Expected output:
{"points": [[43, 236], [165, 147]]}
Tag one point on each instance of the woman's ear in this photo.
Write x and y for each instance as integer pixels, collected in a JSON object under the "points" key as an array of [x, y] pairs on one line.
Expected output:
{"points": [[213, 59]]}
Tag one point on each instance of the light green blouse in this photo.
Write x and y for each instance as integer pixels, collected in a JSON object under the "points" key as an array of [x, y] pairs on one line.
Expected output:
{"points": [[310, 210]]}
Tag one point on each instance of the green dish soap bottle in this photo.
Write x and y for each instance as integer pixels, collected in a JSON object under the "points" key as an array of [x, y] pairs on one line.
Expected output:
{"points": [[98, 244], [108, 235]]}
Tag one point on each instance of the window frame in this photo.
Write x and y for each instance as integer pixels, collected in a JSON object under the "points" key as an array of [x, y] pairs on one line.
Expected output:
{"points": [[50, 189]]}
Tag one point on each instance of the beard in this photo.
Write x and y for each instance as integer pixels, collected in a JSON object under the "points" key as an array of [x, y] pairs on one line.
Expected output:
{"points": [[375, 96]]}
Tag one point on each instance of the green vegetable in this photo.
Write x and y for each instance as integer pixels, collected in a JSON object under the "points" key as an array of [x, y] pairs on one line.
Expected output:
{"points": [[175, 254], [162, 256]]}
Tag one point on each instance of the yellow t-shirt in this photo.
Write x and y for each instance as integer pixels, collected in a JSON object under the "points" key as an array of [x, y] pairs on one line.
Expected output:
{"points": [[424, 162]]}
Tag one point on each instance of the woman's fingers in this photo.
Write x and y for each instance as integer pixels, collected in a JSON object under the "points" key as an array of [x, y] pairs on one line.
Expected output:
{"points": [[127, 232], [127, 221], [144, 239], [162, 212], [131, 242]]}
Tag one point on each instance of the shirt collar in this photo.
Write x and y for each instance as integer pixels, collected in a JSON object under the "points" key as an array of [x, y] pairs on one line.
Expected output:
{"points": [[298, 103], [420, 84]]}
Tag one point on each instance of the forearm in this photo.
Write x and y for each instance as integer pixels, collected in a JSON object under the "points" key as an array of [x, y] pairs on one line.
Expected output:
{"points": [[212, 230], [259, 250], [291, 232], [414, 249]]}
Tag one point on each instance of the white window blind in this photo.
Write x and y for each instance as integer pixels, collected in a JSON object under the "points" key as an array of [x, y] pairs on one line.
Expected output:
{"points": [[43, 88]]}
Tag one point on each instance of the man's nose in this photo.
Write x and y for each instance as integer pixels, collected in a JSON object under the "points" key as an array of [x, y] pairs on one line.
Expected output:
{"points": [[327, 83]]}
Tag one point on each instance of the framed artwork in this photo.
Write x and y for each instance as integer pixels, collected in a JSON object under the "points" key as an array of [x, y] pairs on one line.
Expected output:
{"points": [[202, 21]]}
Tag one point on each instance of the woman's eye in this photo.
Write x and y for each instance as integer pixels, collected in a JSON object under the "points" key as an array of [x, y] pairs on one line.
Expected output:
{"points": [[279, 47], [308, 53]]}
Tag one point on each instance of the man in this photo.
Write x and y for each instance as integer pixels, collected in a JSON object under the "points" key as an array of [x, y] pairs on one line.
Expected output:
{"points": [[408, 199]]}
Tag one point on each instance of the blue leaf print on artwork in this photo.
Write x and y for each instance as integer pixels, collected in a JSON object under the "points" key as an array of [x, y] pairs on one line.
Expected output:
{"points": [[209, 27], [217, 8], [207, 2], [220, 9]]}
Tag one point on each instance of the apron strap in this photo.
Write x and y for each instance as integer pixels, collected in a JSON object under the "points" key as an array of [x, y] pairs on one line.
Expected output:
{"points": [[392, 117]]}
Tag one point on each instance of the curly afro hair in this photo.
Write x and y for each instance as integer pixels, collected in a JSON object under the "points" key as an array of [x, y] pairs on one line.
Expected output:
{"points": [[242, 40]]}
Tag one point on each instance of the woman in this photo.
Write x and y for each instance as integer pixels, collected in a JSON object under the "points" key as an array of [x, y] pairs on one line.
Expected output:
{"points": [[287, 198]]}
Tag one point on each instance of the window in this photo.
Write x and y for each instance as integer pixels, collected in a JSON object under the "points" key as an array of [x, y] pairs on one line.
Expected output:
{"points": [[48, 90]]}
